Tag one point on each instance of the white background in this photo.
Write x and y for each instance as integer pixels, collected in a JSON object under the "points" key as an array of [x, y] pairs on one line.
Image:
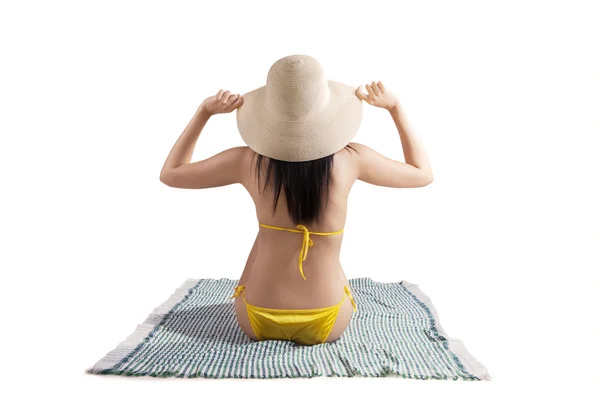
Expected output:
{"points": [[505, 96]]}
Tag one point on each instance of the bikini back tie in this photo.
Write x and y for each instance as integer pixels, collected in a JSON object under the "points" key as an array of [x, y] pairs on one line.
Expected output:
{"points": [[306, 241]]}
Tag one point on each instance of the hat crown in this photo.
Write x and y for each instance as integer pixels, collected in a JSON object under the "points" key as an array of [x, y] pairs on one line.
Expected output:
{"points": [[296, 87], [299, 115]]}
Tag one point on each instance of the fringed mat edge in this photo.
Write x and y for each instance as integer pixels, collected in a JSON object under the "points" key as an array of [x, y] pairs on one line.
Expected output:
{"points": [[455, 346], [112, 358]]}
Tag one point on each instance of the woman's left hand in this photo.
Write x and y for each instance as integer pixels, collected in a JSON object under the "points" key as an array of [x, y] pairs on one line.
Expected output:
{"points": [[222, 102]]}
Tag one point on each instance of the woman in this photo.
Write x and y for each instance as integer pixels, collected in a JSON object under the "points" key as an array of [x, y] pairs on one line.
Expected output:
{"points": [[298, 168]]}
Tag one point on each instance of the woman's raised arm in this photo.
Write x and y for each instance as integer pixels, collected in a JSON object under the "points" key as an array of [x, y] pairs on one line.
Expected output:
{"points": [[377, 169]]}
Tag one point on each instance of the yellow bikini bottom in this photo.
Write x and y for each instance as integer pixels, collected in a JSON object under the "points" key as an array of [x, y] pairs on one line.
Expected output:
{"points": [[304, 326]]}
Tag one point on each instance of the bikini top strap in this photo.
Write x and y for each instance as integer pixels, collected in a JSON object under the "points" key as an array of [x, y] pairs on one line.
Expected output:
{"points": [[306, 241]]}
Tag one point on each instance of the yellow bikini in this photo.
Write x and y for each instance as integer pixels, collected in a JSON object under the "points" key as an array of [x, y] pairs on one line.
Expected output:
{"points": [[304, 326]]}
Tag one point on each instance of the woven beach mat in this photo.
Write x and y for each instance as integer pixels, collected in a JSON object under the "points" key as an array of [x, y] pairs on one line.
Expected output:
{"points": [[395, 332]]}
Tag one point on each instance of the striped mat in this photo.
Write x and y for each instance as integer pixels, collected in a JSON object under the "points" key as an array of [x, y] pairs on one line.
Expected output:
{"points": [[395, 332]]}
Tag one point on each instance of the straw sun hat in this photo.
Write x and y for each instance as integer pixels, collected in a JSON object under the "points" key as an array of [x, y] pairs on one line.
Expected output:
{"points": [[299, 115]]}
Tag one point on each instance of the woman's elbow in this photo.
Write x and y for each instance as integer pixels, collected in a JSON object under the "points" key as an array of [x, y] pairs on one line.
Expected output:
{"points": [[165, 179], [427, 179]]}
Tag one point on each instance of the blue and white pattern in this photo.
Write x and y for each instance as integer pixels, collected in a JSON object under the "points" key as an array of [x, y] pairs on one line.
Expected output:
{"points": [[395, 332]]}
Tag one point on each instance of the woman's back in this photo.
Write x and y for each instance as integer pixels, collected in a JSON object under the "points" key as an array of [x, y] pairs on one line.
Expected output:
{"points": [[276, 281]]}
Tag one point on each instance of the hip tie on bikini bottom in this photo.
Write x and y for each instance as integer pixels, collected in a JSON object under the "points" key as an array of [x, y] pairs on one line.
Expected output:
{"points": [[349, 293], [238, 290]]}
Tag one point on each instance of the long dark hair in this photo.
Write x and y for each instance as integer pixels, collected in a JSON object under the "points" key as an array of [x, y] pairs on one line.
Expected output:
{"points": [[305, 183]]}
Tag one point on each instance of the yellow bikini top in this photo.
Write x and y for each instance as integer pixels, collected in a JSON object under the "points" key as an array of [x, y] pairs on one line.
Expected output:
{"points": [[306, 242]]}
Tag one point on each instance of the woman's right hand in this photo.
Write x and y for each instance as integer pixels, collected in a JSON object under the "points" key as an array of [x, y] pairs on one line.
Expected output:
{"points": [[378, 96]]}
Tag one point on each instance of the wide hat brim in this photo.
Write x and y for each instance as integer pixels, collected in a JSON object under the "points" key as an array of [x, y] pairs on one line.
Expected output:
{"points": [[311, 138]]}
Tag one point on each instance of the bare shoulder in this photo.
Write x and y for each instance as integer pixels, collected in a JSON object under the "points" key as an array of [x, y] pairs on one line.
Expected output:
{"points": [[248, 160], [347, 159], [360, 148], [357, 149], [351, 156]]}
